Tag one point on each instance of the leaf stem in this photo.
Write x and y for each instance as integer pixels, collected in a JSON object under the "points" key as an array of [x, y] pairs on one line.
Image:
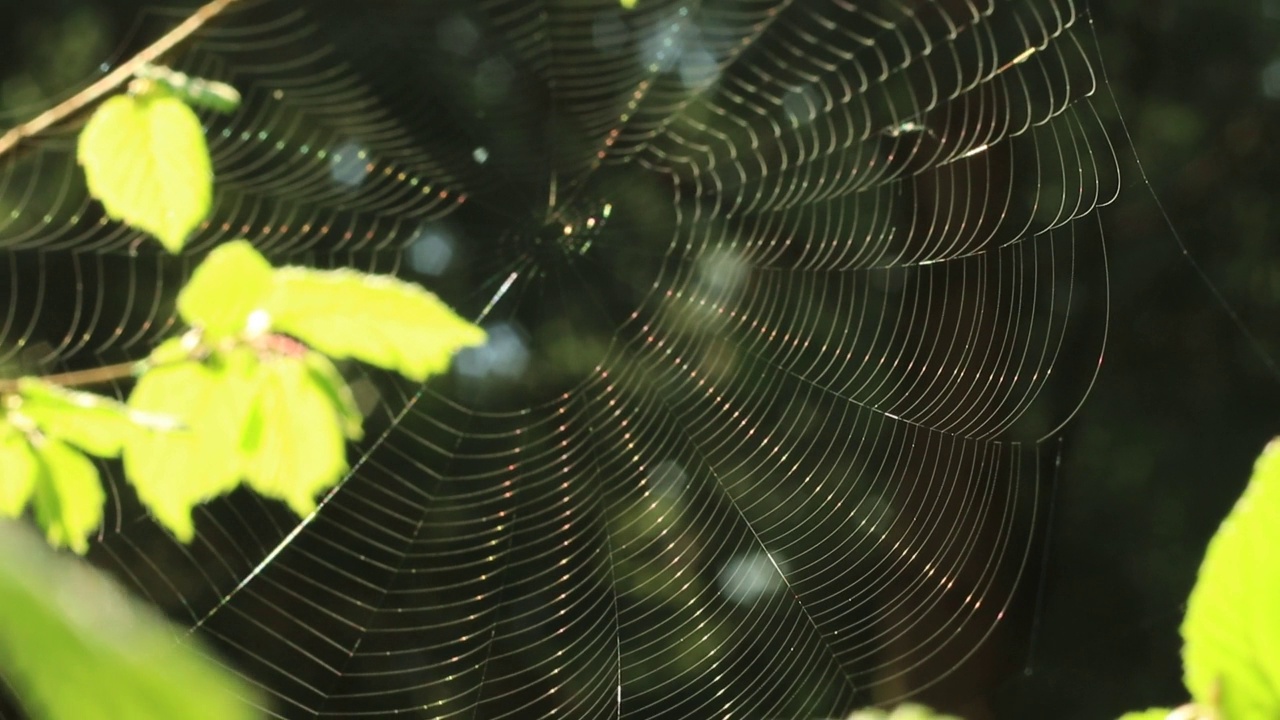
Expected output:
{"points": [[114, 79], [89, 376]]}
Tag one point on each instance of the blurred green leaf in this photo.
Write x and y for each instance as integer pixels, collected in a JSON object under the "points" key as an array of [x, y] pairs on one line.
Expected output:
{"points": [[263, 408], [232, 282], [906, 711], [330, 381], [374, 319], [295, 445], [74, 647], [145, 158], [1231, 633], [173, 471], [68, 495], [57, 479], [96, 424], [278, 422], [18, 481]]}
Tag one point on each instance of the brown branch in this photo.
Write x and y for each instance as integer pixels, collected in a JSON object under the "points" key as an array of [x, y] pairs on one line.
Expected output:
{"points": [[73, 378], [114, 79]]}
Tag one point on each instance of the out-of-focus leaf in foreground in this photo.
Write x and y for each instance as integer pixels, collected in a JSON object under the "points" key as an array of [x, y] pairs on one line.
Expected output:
{"points": [[73, 646], [1231, 633], [906, 711]]}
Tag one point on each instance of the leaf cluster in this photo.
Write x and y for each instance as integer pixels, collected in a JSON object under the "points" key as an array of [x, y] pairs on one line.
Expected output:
{"points": [[249, 394], [74, 645]]}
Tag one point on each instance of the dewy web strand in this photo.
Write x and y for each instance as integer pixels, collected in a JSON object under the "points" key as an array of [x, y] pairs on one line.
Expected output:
{"points": [[777, 295]]}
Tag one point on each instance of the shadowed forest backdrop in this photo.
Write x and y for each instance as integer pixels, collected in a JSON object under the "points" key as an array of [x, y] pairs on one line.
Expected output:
{"points": [[1129, 494]]}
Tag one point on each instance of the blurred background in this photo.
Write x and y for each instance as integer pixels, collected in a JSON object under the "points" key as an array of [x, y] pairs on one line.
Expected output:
{"points": [[1185, 399], [1188, 391]]}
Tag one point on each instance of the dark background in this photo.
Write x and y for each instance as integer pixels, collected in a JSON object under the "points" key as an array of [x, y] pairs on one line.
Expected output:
{"points": [[1188, 389]]}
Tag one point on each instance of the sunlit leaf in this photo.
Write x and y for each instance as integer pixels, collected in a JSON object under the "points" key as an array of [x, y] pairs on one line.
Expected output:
{"points": [[374, 319], [176, 470], [296, 442], [96, 424], [232, 282], [1231, 634], [145, 158], [170, 352], [18, 470], [74, 646], [328, 379], [68, 495]]}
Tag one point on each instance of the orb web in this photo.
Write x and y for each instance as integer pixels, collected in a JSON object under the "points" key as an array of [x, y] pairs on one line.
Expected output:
{"points": [[782, 303]]}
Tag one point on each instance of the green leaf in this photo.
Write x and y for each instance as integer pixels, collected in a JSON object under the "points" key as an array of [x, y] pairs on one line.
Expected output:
{"points": [[73, 646], [20, 470], [68, 495], [176, 470], [145, 158], [231, 283], [170, 352], [327, 378], [1231, 634], [295, 443], [96, 424], [277, 422], [374, 319]]}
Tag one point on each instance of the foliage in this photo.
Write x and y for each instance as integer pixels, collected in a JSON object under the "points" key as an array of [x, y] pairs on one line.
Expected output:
{"points": [[74, 646], [62, 484], [248, 394], [1231, 633], [1220, 655], [46, 431], [343, 314], [145, 157], [232, 400]]}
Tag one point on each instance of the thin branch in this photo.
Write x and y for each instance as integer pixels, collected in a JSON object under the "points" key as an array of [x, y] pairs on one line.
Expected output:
{"points": [[74, 378], [114, 79]]}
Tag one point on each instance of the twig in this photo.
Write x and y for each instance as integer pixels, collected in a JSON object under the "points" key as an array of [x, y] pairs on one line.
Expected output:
{"points": [[89, 376], [114, 79]]}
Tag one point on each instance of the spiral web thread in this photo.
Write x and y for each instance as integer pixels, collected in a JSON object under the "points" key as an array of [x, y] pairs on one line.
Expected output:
{"points": [[782, 301]]}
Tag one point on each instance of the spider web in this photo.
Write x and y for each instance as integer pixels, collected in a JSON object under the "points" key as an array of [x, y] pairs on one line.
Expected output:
{"points": [[782, 306]]}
